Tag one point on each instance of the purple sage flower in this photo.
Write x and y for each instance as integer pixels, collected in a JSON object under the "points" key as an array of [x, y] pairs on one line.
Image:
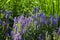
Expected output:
{"points": [[12, 33], [8, 14], [54, 22], [15, 20], [47, 22], [58, 31], [43, 15]]}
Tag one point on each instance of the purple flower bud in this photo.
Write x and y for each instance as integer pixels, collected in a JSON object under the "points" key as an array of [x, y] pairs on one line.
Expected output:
{"points": [[23, 24], [47, 22], [16, 28], [14, 25], [43, 15], [35, 10], [52, 18], [12, 33], [42, 22], [9, 12], [58, 31], [22, 31], [30, 19], [15, 36], [15, 20], [35, 16], [38, 8], [22, 16], [21, 19], [19, 38], [54, 22]]}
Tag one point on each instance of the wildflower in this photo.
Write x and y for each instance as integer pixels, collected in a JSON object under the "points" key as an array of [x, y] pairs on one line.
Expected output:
{"points": [[16, 28], [36, 16], [17, 36], [47, 22], [35, 10], [58, 31], [30, 20], [51, 19], [8, 14], [23, 24], [12, 33], [21, 19], [54, 22], [38, 8], [43, 15], [15, 20], [42, 22]]}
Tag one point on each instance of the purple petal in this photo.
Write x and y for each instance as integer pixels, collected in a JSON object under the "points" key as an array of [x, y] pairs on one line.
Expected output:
{"points": [[12, 33]]}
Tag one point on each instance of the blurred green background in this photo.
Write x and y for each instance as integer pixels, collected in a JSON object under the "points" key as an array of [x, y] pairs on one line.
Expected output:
{"points": [[26, 6]]}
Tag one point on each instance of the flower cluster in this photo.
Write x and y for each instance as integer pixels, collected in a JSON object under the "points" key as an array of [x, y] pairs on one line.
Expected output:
{"points": [[5, 22], [37, 22], [20, 26], [40, 20]]}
